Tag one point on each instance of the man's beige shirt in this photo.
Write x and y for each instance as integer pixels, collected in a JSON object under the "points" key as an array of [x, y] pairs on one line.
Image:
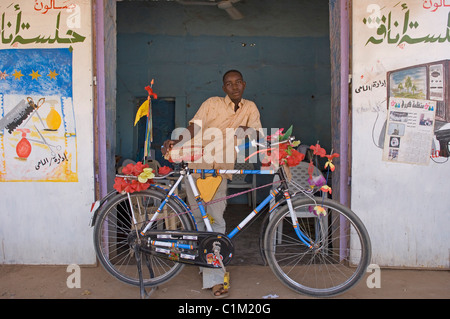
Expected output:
{"points": [[218, 121]]}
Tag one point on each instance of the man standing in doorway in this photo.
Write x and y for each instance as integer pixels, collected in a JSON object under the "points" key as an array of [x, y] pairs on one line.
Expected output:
{"points": [[219, 114]]}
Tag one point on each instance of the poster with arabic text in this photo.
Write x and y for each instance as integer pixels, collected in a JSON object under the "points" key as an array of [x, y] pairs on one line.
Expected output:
{"points": [[38, 135]]}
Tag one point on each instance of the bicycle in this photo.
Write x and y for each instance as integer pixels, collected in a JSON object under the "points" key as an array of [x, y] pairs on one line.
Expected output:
{"points": [[146, 237]]}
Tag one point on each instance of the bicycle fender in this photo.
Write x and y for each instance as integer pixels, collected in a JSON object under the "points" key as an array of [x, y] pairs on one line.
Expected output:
{"points": [[95, 208]]}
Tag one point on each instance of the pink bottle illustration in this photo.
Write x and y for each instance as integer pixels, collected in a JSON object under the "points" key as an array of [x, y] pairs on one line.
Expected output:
{"points": [[23, 148]]}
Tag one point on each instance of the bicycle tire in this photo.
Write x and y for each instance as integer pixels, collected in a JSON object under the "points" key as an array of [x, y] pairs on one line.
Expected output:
{"points": [[339, 254], [114, 232]]}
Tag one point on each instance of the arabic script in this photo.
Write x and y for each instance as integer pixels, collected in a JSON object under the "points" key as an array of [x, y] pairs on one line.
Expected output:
{"points": [[11, 30], [386, 31], [428, 4], [43, 8]]}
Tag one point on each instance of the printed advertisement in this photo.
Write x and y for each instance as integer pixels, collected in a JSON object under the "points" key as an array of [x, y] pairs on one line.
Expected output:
{"points": [[409, 131]]}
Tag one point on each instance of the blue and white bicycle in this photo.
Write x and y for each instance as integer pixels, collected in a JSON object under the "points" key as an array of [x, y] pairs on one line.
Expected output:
{"points": [[313, 244]]}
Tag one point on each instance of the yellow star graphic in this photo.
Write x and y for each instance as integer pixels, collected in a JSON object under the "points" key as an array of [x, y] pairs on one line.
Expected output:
{"points": [[52, 74], [34, 75], [17, 74]]}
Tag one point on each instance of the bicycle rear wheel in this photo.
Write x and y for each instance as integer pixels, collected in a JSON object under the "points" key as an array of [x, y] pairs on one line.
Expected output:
{"points": [[115, 236], [340, 249]]}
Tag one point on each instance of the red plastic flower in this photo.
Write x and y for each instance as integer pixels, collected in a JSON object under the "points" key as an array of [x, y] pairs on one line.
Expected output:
{"points": [[329, 164], [134, 169], [295, 158], [318, 150], [326, 189], [150, 92], [128, 185], [283, 152], [164, 170], [120, 184]]}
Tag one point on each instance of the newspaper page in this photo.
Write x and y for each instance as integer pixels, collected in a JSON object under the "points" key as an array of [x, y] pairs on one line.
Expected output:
{"points": [[409, 131]]}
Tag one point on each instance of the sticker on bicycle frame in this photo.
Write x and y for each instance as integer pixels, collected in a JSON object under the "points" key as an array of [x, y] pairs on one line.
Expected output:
{"points": [[174, 256], [211, 259]]}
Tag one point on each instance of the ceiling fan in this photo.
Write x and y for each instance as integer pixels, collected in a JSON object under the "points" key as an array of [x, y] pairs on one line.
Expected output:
{"points": [[226, 5]]}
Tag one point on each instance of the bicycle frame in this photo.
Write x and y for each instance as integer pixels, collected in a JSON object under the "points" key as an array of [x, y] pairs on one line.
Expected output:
{"points": [[187, 173], [323, 252]]}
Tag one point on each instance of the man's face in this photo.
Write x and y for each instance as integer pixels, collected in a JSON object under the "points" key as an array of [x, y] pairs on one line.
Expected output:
{"points": [[234, 86]]}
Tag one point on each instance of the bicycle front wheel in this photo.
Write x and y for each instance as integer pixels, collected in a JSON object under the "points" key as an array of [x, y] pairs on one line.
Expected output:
{"points": [[337, 257], [115, 236]]}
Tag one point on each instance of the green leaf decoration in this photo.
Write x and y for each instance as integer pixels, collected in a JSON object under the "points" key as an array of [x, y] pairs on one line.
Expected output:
{"points": [[287, 134]]}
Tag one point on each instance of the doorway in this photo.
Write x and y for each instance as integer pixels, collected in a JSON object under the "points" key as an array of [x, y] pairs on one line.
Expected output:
{"points": [[281, 47], [198, 79]]}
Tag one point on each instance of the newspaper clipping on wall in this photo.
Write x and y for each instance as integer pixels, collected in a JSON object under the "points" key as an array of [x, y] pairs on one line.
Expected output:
{"points": [[409, 131]]}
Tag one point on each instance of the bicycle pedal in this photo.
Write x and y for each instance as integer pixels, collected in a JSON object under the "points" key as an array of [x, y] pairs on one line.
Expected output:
{"points": [[226, 281]]}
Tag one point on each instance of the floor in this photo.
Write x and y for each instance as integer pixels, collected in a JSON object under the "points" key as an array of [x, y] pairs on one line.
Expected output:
{"points": [[250, 279]]}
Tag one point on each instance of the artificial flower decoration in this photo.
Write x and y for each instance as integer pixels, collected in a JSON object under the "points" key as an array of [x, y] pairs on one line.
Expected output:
{"points": [[144, 109], [146, 175], [134, 169], [275, 136], [326, 189], [121, 185], [286, 135], [311, 169], [149, 89], [131, 185], [317, 210], [285, 154], [294, 158], [164, 170], [329, 164], [318, 150], [317, 181]]}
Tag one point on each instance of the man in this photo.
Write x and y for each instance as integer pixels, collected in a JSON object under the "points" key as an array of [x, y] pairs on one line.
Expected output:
{"points": [[214, 119]]}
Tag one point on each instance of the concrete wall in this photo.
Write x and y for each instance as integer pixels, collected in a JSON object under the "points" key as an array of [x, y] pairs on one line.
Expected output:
{"points": [[404, 200], [46, 55]]}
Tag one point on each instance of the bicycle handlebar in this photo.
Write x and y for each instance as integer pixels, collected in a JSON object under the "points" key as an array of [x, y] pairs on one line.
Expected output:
{"points": [[263, 143], [244, 146]]}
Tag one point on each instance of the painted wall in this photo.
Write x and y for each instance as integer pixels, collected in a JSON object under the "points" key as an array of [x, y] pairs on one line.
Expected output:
{"points": [[282, 48], [399, 181], [46, 174]]}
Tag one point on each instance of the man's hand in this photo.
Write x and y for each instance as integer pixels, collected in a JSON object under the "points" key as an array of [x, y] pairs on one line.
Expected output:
{"points": [[167, 146]]}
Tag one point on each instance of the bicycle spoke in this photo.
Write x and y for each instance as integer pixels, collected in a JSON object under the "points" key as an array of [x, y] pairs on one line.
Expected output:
{"points": [[336, 259], [115, 237]]}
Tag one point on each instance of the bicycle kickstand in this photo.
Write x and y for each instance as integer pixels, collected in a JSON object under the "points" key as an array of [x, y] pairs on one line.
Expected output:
{"points": [[143, 292]]}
